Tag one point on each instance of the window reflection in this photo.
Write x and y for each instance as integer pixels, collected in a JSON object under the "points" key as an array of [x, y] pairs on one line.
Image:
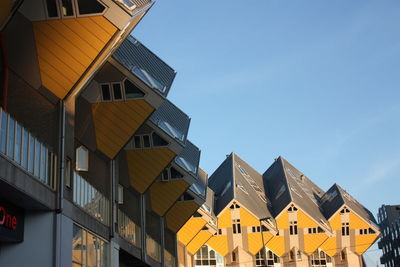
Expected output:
{"points": [[88, 250], [25, 150]]}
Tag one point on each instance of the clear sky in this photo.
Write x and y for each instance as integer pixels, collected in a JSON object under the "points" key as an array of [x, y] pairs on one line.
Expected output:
{"points": [[314, 81]]}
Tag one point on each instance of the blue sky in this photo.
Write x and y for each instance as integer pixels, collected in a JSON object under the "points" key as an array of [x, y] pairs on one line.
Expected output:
{"points": [[314, 81]]}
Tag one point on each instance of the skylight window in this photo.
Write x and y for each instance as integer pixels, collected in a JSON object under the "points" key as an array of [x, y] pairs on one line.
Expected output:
{"points": [[148, 79]]}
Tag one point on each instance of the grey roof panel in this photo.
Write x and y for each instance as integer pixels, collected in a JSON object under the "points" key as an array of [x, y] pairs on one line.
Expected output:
{"points": [[222, 184], [189, 158], [138, 59], [331, 201], [172, 120], [300, 190], [249, 189], [336, 197], [277, 187]]}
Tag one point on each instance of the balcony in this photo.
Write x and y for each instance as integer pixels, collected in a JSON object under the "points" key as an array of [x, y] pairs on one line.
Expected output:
{"points": [[128, 230], [90, 200], [72, 37], [155, 145], [24, 150], [175, 179]]}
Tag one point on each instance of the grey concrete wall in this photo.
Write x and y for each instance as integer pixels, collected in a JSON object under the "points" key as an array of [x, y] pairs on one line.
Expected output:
{"points": [[37, 249]]}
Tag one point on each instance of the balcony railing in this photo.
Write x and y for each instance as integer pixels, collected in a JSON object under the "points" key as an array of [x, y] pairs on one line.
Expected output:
{"points": [[91, 200], [20, 146], [128, 230], [153, 248]]}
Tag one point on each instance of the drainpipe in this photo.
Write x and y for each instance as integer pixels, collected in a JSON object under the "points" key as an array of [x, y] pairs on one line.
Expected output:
{"points": [[162, 219], [5, 70], [113, 199], [60, 187]]}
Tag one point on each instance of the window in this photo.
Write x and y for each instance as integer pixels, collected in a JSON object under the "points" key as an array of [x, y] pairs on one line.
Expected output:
{"points": [[120, 194], [68, 173], [298, 255], [82, 159], [320, 259], [345, 229], [132, 91], [67, 8], [206, 256], [158, 141], [147, 141], [345, 210], [117, 92], [88, 249], [90, 7], [73, 8], [236, 226], [105, 92], [52, 8], [292, 208], [233, 256], [342, 255], [293, 228]]}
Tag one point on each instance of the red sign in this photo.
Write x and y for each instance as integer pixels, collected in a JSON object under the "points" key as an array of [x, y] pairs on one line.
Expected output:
{"points": [[11, 222], [6, 219]]}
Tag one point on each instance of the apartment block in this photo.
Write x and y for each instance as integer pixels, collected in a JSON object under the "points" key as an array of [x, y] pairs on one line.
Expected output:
{"points": [[389, 243], [96, 168], [279, 218]]}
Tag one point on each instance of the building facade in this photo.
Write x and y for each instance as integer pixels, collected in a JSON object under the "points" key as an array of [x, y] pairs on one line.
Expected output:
{"points": [[96, 168], [389, 222], [277, 219]]}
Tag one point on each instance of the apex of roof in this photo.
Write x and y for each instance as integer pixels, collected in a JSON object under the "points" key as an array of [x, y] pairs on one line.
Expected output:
{"points": [[286, 185], [236, 180]]}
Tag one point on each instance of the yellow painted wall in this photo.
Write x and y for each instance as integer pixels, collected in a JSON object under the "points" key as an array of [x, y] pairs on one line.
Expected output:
{"points": [[255, 241], [313, 241], [224, 219], [198, 241], [330, 247], [247, 219], [335, 222], [5, 10], [164, 194], [363, 242], [304, 221], [356, 222], [145, 165], [282, 220], [191, 229], [219, 244], [179, 214], [110, 123], [277, 245], [67, 47]]}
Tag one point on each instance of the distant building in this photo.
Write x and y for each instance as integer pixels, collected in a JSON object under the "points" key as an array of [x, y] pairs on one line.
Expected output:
{"points": [[277, 219], [389, 222]]}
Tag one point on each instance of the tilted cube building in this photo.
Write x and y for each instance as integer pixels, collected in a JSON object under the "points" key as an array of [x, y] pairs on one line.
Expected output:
{"points": [[280, 218]]}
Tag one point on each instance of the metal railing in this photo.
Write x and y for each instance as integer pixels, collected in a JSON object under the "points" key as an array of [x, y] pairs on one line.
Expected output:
{"points": [[128, 230], [20, 146], [91, 200]]}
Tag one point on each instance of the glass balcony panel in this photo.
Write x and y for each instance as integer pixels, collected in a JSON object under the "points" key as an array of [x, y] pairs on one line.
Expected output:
{"points": [[36, 170], [43, 154], [25, 150], [11, 137], [31, 162], [153, 248], [91, 200], [3, 131], [18, 136], [128, 230]]}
